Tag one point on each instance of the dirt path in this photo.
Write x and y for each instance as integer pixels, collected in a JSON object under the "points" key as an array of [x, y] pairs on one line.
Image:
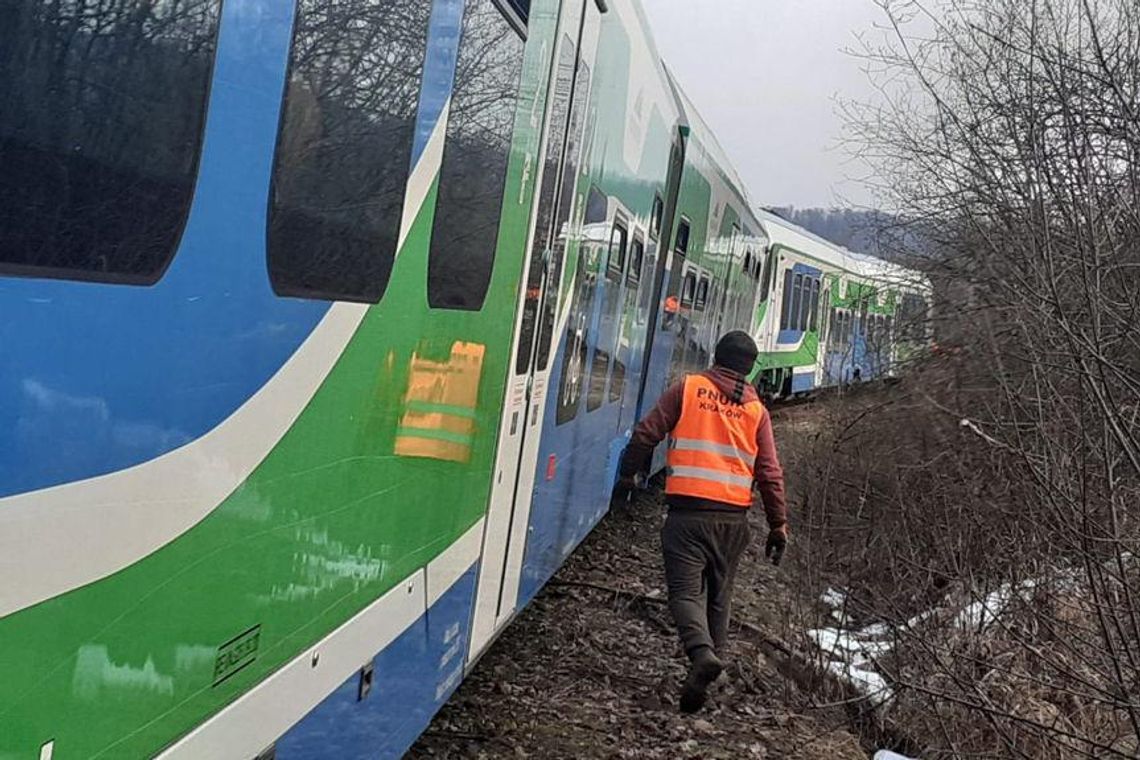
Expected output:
{"points": [[588, 673]]}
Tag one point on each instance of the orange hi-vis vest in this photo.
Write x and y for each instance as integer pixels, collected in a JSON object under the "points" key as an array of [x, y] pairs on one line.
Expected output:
{"points": [[712, 449]]}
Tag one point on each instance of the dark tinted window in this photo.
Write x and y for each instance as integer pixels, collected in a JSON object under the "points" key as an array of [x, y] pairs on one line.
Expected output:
{"points": [[805, 303], [814, 303], [688, 289], [559, 116], [702, 294], [341, 164], [561, 227], [766, 277], [576, 351], [637, 259], [682, 243], [676, 274], [102, 107], [599, 372], [597, 206], [466, 225], [786, 307], [626, 318], [655, 216], [610, 317], [616, 261], [521, 7], [649, 272]]}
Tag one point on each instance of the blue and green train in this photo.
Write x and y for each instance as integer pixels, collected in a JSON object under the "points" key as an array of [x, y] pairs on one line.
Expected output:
{"points": [[322, 326]]}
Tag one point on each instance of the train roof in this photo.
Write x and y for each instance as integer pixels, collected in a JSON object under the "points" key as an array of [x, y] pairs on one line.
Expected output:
{"points": [[784, 233]]}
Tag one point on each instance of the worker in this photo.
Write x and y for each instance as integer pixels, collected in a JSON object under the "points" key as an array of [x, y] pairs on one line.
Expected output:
{"points": [[720, 446]]}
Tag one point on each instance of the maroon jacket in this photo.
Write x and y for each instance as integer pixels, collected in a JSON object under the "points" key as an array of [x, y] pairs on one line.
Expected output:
{"points": [[769, 475]]}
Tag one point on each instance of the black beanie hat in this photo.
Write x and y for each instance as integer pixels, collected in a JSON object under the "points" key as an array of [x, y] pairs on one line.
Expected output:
{"points": [[736, 351]]}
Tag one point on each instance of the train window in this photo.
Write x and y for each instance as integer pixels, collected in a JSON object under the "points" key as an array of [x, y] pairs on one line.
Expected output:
{"points": [[797, 303], [823, 310], [702, 294], [474, 170], [766, 275], [610, 317], [560, 229], [656, 216], [648, 269], [615, 262], [561, 94], [343, 151], [637, 259], [521, 8], [596, 384], [688, 290], [555, 198], [674, 291], [913, 318], [597, 206], [100, 133], [786, 306], [625, 319], [681, 245], [805, 303], [617, 382], [814, 303], [576, 351], [746, 267]]}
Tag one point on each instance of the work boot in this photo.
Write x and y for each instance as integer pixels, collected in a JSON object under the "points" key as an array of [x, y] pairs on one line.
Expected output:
{"points": [[703, 670]]}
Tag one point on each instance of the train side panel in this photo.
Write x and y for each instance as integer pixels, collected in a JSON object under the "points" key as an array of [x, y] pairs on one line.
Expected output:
{"points": [[259, 490]]}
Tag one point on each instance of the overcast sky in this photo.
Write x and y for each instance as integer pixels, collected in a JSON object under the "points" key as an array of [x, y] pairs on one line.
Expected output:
{"points": [[765, 75]]}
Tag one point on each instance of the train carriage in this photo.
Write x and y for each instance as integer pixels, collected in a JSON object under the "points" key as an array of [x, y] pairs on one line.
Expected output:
{"points": [[837, 316], [324, 324]]}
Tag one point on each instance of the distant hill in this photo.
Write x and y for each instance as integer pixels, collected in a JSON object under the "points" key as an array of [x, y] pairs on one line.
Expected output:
{"points": [[859, 231]]}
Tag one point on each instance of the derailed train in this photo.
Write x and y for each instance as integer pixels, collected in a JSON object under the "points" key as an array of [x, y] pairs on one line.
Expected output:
{"points": [[323, 326]]}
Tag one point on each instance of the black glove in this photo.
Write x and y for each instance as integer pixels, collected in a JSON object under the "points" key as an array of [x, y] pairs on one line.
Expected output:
{"points": [[626, 485], [777, 542]]}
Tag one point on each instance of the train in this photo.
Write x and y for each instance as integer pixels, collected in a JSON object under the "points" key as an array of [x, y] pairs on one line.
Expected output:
{"points": [[323, 325]]}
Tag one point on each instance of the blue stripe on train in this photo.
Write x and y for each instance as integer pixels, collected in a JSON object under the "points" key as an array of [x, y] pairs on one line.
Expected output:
{"points": [[802, 382], [412, 678]]}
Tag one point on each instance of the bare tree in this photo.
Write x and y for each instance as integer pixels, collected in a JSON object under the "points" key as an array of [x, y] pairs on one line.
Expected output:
{"points": [[988, 514]]}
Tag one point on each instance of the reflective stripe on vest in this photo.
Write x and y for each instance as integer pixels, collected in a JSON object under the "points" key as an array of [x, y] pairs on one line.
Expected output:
{"points": [[704, 473], [712, 452], [691, 444]]}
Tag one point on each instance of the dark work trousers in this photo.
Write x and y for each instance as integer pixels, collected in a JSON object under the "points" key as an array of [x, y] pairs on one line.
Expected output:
{"points": [[702, 551]]}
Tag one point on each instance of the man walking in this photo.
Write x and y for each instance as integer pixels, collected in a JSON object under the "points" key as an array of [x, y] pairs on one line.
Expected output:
{"points": [[720, 444]]}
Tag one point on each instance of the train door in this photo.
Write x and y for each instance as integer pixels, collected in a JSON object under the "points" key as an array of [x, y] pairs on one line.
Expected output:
{"points": [[664, 304], [504, 536]]}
